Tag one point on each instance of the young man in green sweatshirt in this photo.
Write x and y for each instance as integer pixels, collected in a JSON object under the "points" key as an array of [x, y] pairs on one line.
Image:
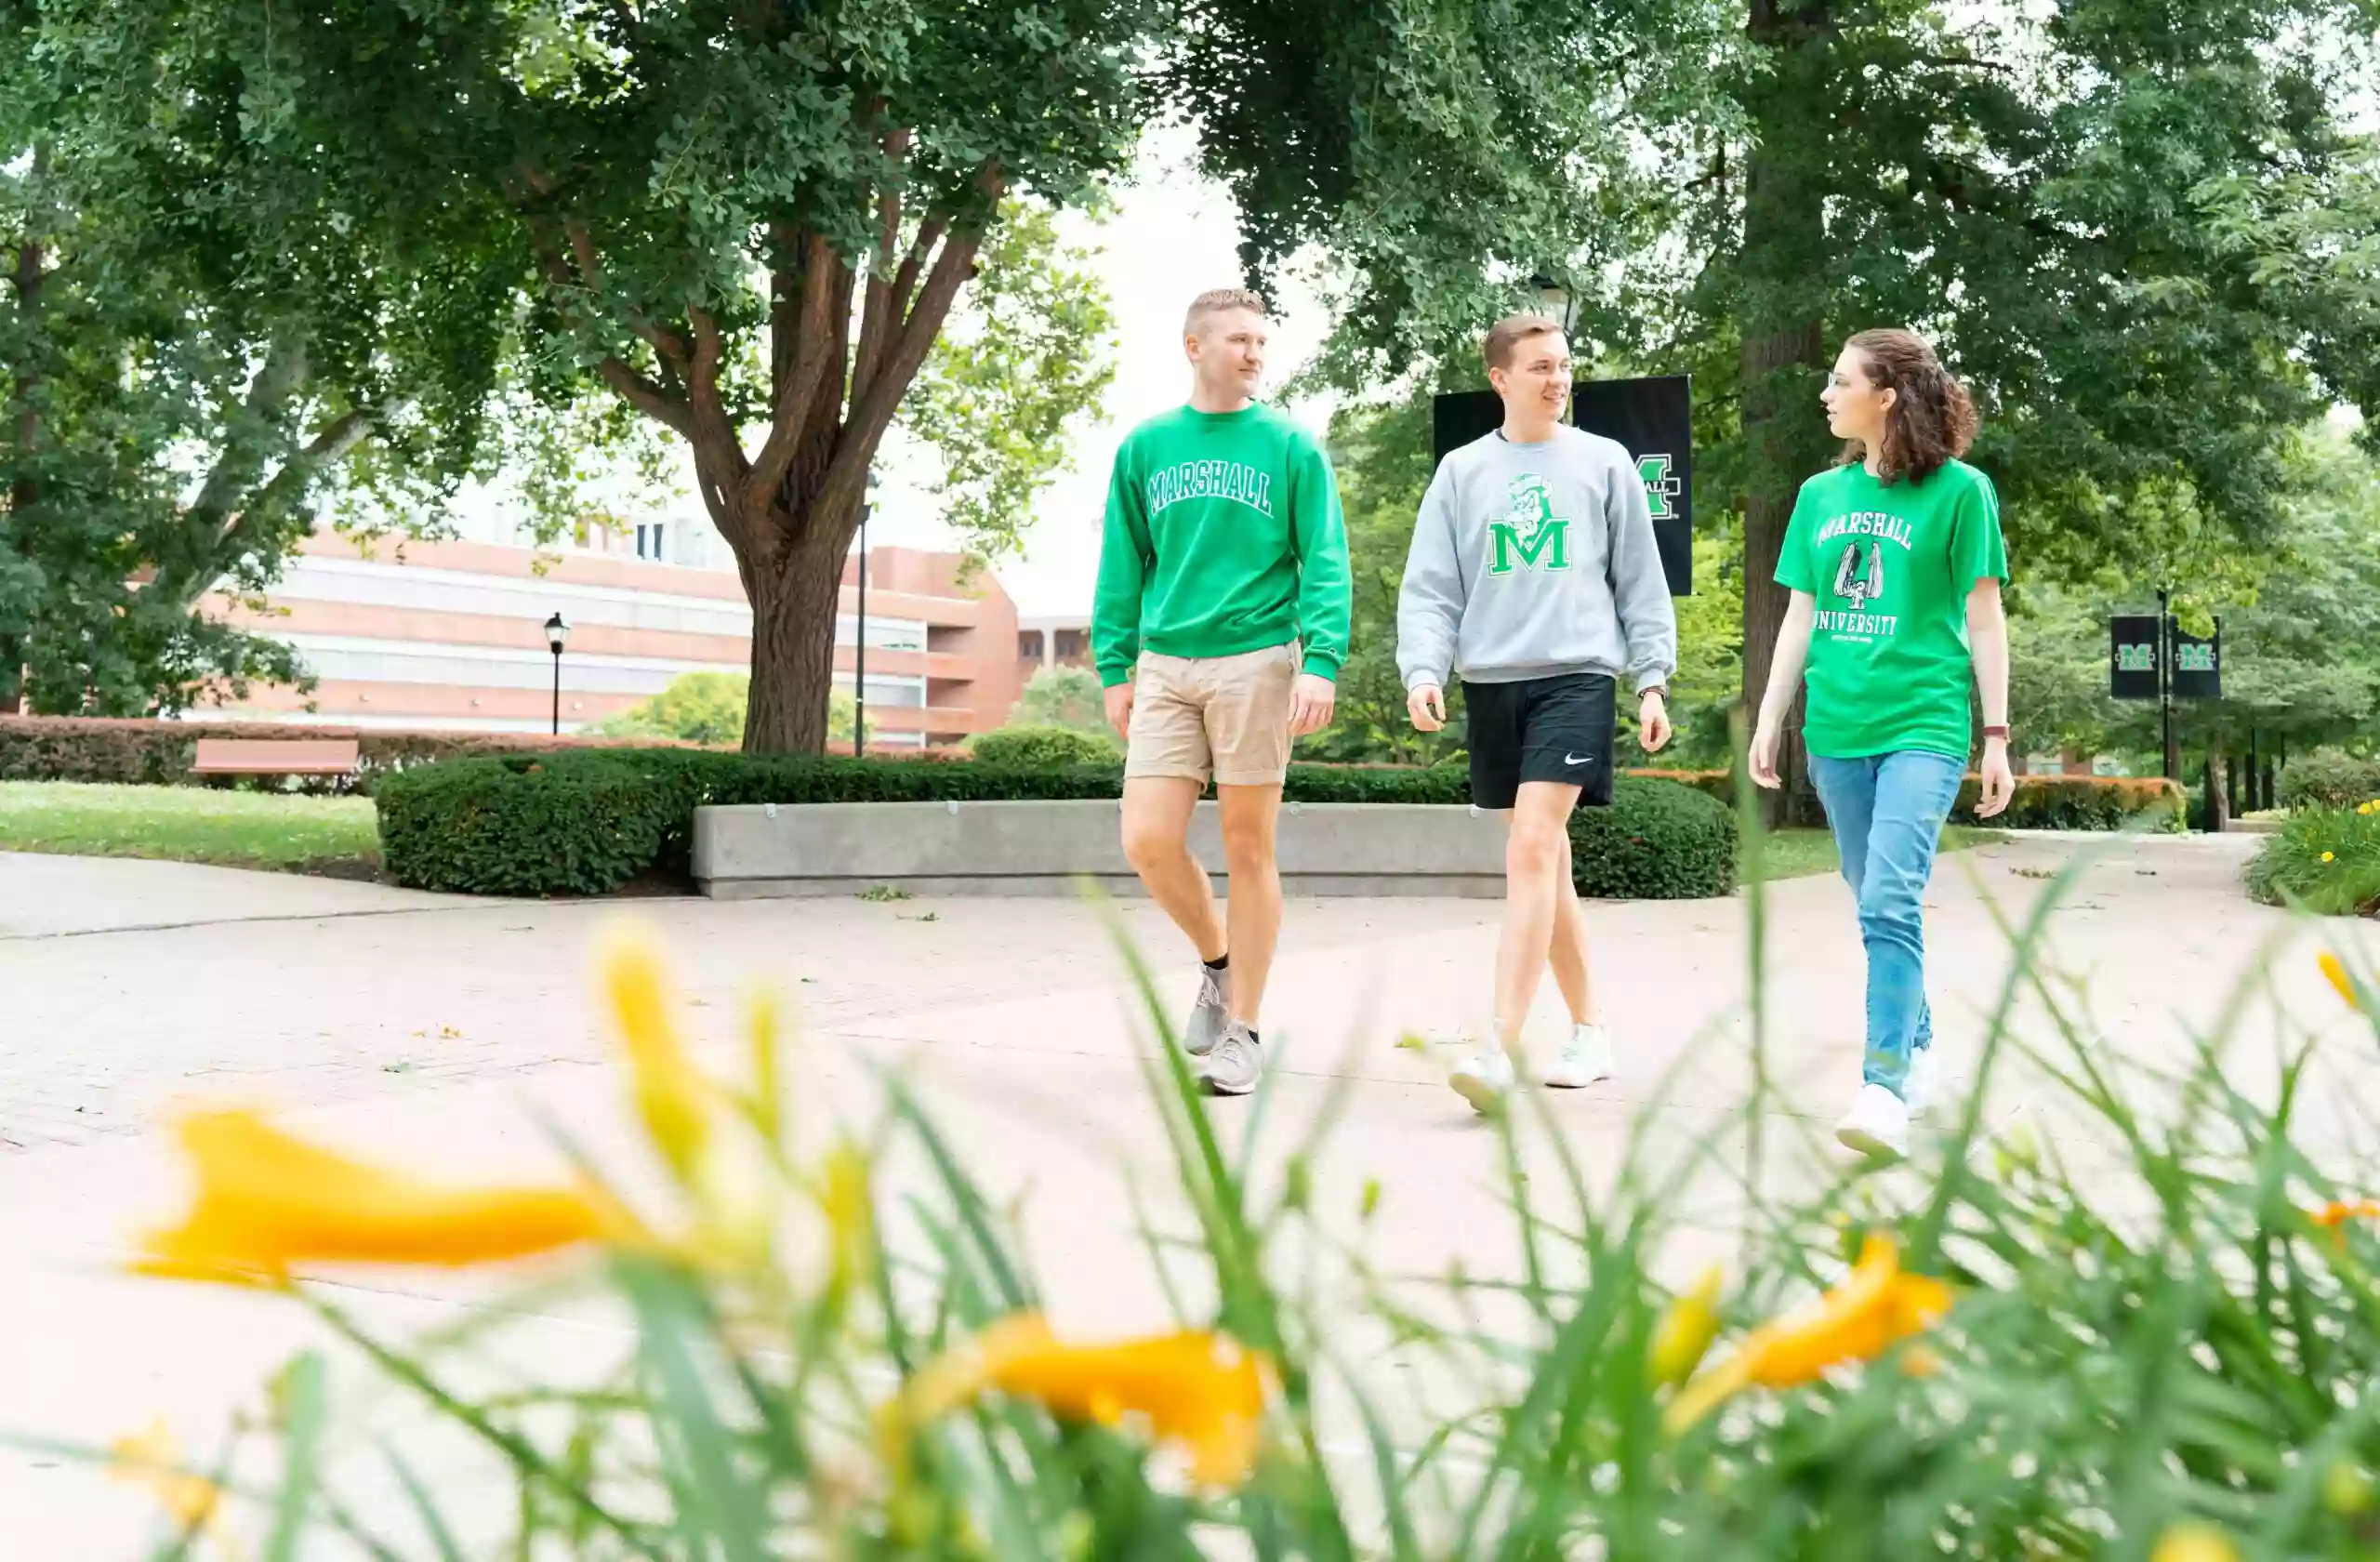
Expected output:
{"points": [[1219, 625]]}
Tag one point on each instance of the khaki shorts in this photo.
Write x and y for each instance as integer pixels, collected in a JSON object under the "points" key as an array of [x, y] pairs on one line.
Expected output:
{"points": [[1224, 715]]}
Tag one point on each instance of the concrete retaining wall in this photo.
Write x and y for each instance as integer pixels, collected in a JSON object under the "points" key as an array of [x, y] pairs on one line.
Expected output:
{"points": [[1050, 848]]}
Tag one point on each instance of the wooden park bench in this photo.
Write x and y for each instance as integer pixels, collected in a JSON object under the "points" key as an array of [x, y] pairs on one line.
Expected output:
{"points": [[275, 756]]}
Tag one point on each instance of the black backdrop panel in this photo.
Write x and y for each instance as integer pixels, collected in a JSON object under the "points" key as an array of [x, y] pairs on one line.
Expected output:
{"points": [[1653, 417]]}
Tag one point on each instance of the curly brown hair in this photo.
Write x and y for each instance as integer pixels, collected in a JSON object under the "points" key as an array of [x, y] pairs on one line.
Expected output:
{"points": [[1931, 419]]}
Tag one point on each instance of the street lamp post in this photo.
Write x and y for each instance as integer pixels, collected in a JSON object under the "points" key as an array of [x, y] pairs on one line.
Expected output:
{"points": [[1559, 306], [557, 636], [859, 654]]}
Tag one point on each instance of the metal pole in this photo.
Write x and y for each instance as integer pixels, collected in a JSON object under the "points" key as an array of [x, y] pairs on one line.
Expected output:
{"points": [[859, 659], [2173, 756], [557, 727]]}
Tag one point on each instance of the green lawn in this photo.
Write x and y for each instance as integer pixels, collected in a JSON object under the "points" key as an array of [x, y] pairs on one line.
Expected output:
{"points": [[191, 823], [1797, 853]]}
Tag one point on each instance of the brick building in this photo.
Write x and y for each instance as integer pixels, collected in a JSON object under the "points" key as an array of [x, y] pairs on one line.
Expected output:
{"points": [[452, 635]]}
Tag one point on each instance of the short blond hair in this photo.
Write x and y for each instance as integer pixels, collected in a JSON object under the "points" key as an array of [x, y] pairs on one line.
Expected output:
{"points": [[1505, 337], [1216, 299]]}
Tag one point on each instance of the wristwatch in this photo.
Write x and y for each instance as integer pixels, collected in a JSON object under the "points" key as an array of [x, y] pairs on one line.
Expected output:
{"points": [[1999, 732], [1660, 689]]}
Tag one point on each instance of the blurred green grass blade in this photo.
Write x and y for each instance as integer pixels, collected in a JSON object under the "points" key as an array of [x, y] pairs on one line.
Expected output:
{"points": [[728, 1508], [301, 1444], [433, 1523]]}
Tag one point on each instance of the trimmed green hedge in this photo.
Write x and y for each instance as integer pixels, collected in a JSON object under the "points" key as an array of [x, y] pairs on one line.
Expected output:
{"points": [[1033, 745], [586, 823], [156, 753], [2075, 803], [1658, 840], [2082, 802]]}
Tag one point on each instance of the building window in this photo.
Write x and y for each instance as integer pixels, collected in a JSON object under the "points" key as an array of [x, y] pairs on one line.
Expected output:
{"points": [[905, 693], [648, 539], [883, 634], [1028, 646]]}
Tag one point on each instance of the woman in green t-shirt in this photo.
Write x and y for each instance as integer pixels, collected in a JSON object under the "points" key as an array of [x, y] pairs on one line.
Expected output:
{"points": [[1894, 561]]}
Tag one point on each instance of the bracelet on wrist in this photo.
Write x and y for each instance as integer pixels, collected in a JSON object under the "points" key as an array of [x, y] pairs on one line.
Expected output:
{"points": [[1999, 732]]}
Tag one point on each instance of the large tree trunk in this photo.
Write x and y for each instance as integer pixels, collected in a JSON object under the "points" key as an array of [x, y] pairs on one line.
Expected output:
{"points": [[795, 597], [1781, 322]]}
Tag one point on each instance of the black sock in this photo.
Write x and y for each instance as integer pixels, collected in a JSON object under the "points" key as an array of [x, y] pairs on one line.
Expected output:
{"points": [[1220, 963]]}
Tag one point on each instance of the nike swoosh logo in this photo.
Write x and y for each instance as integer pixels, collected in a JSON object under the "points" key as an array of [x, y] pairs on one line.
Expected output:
{"points": [[1576, 759]]}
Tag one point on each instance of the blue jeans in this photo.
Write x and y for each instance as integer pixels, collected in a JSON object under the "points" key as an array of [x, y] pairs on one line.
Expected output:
{"points": [[1886, 813]]}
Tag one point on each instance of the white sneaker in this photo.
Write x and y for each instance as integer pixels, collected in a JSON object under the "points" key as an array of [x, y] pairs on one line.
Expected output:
{"points": [[1923, 1085], [1877, 1124], [1237, 1062], [1210, 1014], [1585, 1059], [1485, 1077]]}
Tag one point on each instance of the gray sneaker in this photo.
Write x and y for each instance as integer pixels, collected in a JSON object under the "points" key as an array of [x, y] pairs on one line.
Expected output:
{"points": [[1210, 1014], [1237, 1062]]}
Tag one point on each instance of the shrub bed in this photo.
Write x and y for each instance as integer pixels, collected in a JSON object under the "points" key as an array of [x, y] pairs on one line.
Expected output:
{"points": [[2325, 859], [2329, 778], [1043, 746], [587, 823], [2076, 802], [160, 753], [2081, 802], [1659, 841]]}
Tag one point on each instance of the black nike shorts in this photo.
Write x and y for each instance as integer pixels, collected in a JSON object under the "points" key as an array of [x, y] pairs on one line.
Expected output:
{"points": [[1540, 729]]}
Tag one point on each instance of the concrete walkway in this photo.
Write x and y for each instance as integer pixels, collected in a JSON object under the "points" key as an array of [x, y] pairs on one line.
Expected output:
{"points": [[442, 1031]]}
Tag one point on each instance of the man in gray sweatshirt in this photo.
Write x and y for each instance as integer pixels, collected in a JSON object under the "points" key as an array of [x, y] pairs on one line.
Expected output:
{"points": [[1534, 574]]}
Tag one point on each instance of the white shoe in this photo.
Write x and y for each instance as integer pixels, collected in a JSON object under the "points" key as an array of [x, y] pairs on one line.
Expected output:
{"points": [[1585, 1059], [1484, 1079], [1923, 1085], [1877, 1124], [1237, 1062]]}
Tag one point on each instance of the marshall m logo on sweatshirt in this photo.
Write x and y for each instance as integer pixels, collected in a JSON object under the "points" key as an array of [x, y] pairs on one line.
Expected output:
{"points": [[1530, 536]]}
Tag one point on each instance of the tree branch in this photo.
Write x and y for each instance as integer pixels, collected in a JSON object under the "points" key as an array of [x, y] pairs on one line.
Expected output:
{"points": [[217, 529], [211, 515], [1959, 63], [672, 346], [885, 300], [702, 393], [645, 396], [871, 412], [805, 376]]}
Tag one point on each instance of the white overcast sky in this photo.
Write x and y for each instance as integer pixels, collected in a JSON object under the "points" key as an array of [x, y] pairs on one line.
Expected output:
{"points": [[1173, 235]]}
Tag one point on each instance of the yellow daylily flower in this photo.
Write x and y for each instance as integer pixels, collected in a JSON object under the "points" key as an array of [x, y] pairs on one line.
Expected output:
{"points": [[1198, 1390], [671, 1094], [764, 1028], [1686, 1329], [2194, 1542], [1874, 1308], [2334, 971], [2335, 1215], [266, 1200], [154, 1459], [2330, 856], [850, 1206]]}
